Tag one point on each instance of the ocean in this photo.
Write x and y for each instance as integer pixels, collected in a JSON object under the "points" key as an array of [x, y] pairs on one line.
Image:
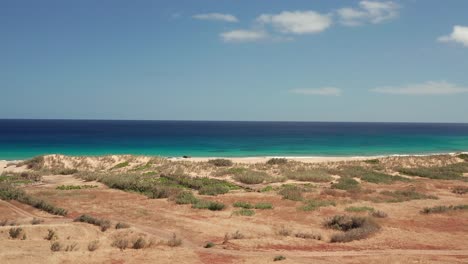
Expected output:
{"points": [[21, 139]]}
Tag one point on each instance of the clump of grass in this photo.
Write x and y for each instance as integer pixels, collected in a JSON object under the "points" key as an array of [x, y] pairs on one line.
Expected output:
{"points": [[103, 224], [444, 209], [279, 258], [347, 184], [291, 192], [353, 227], [251, 177], [214, 189], [359, 209], [9, 192], [460, 189], [121, 225], [209, 245], [56, 246], [244, 205], [450, 172], [75, 187], [308, 236], [263, 206], [93, 245], [244, 212], [221, 162], [210, 205], [120, 165], [312, 205], [186, 197], [307, 175], [16, 232], [405, 195], [36, 221], [277, 161], [51, 235], [284, 231], [174, 241]]}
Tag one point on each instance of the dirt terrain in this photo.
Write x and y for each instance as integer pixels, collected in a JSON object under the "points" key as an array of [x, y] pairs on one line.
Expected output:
{"points": [[404, 234]]}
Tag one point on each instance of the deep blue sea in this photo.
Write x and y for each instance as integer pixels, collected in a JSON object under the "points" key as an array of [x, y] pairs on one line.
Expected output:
{"points": [[20, 139]]}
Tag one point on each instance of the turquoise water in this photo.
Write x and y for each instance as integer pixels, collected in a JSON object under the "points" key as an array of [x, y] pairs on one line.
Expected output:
{"points": [[20, 139]]}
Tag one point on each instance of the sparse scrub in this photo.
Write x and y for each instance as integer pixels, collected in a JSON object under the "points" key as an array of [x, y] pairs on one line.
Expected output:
{"points": [[75, 187], [67, 171], [405, 195], [120, 165], [36, 221], [277, 161], [186, 197], [121, 243], [263, 206], [251, 177], [307, 175], [221, 162], [291, 192], [174, 241], [51, 235], [379, 214], [56, 246], [308, 236], [312, 205], [368, 175], [121, 225], [463, 156], [460, 189], [244, 205], [347, 184], [35, 163], [214, 189], [284, 231], [444, 209], [103, 224], [16, 232], [210, 205], [354, 228], [359, 209], [230, 171], [140, 243], [279, 258], [93, 245], [244, 212], [450, 172]]}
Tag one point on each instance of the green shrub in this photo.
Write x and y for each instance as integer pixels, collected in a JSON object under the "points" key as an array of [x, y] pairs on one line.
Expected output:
{"points": [[268, 188], [244, 205], [244, 212], [277, 161], [120, 165], [263, 206], [209, 245], [210, 205], [369, 175], [186, 197], [353, 227], [450, 172], [195, 183], [345, 183], [279, 258], [221, 162], [463, 156], [214, 189], [372, 161], [359, 209], [104, 224], [312, 205], [443, 209], [291, 192], [251, 177], [308, 175], [405, 195]]}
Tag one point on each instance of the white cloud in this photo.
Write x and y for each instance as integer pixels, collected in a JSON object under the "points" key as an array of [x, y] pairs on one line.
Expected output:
{"points": [[327, 91], [297, 22], [217, 17], [459, 34], [368, 12], [427, 88], [241, 35]]}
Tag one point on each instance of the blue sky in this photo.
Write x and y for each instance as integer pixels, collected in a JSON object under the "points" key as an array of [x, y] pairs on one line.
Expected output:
{"points": [[235, 60]]}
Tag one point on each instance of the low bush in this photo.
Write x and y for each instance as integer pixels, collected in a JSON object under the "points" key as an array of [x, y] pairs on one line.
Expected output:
{"points": [[186, 197], [372, 161], [279, 258], [210, 205], [463, 156], [460, 190], [405, 195], [51, 235], [379, 214], [237, 235], [369, 175], [67, 171], [244, 205], [93, 245], [121, 225], [35, 163], [36, 221], [251, 177], [312, 205], [244, 212], [450, 172], [359, 209], [209, 245], [353, 227], [308, 236], [140, 243], [214, 189], [121, 243], [347, 184], [263, 206], [56, 246], [120, 165], [291, 192], [277, 161], [284, 231], [221, 162], [103, 224], [16, 232], [443, 209]]}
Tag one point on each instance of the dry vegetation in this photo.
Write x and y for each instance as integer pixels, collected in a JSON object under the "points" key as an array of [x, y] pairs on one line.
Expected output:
{"points": [[137, 209]]}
